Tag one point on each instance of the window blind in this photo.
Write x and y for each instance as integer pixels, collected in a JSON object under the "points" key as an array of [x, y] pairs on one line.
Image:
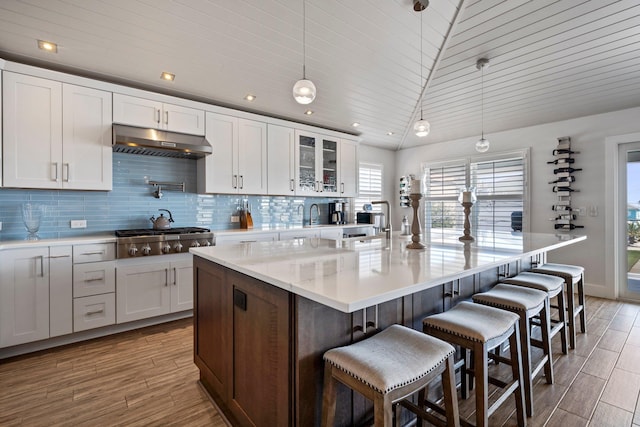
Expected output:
{"points": [[500, 183], [369, 185]]}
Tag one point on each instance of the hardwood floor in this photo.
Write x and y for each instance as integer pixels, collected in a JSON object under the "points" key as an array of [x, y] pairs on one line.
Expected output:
{"points": [[143, 377], [147, 377]]}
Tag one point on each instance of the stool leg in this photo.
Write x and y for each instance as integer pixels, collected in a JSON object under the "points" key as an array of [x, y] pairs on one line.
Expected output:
{"points": [[382, 411], [525, 347], [449, 390], [465, 381], [481, 366], [516, 370], [583, 315], [571, 320], [562, 314], [545, 326], [328, 397]]}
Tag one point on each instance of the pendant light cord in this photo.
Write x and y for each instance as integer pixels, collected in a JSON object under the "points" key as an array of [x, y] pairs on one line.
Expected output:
{"points": [[421, 65], [482, 100], [304, 40]]}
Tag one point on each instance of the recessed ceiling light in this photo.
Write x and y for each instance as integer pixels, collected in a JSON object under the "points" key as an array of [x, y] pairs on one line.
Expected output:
{"points": [[167, 76], [48, 46], [355, 124], [308, 112], [250, 97], [389, 133]]}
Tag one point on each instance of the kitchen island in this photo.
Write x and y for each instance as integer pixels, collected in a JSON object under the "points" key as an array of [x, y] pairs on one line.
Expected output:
{"points": [[266, 312]]}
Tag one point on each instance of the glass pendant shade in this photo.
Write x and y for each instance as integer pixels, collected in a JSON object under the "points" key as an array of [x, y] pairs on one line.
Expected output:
{"points": [[304, 91], [482, 146], [422, 127]]}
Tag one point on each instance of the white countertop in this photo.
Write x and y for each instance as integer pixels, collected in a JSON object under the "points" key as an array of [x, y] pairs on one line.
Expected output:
{"points": [[352, 275], [62, 241]]}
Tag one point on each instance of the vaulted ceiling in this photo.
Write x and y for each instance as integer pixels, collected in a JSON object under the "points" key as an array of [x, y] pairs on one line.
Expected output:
{"points": [[549, 60]]}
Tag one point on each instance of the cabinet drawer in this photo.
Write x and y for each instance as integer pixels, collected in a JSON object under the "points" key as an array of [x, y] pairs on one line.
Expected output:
{"points": [[94, 252], [94, 278], [94, 312]]}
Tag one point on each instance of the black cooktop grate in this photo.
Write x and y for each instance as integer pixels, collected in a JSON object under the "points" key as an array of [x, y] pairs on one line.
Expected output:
{"points": [[152, 232]]}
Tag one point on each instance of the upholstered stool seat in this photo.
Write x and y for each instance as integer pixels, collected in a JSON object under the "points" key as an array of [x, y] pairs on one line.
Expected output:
{"points": [[480, 329], [526, 303], [573, 276], [388, 367], [554, 287]]}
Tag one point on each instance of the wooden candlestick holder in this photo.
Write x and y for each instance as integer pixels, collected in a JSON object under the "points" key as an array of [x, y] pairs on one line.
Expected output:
{"points": [[415, 225], [467, 225]]}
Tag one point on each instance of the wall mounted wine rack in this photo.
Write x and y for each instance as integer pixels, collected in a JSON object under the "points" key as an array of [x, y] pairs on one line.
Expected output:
{"points": [[405, 189], [562, 185]]}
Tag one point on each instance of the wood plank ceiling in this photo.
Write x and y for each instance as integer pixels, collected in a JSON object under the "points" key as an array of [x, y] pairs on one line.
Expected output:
{"points": [[549, 60]]}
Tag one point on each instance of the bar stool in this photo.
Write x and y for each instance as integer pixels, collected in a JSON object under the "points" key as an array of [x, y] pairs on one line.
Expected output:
{"points": [[526, 303], [388, 367], [573, 277], [554, 287], [480, 329]]}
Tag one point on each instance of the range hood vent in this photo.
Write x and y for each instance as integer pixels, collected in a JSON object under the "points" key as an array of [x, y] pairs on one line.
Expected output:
{"points": [[153, 142]]}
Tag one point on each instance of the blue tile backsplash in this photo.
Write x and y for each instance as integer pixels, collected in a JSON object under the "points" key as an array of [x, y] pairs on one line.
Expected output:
{"points": [[130, 204]]}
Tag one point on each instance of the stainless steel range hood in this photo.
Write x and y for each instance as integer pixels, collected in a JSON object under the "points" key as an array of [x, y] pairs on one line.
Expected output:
{"points": [[153, 142]]}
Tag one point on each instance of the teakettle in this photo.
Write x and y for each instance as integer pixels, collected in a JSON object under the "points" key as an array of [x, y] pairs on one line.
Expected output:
{"points": [[162, 222]]}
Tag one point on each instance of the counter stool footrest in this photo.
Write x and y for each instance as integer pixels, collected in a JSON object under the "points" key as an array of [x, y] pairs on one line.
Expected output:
{"points": [[426, 416]]}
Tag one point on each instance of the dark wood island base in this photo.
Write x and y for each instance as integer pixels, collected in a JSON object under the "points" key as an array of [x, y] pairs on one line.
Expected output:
{"points": [[259, 348]]}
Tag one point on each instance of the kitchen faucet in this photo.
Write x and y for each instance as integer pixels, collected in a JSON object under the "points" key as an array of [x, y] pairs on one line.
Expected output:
{"points": [[311, 213], [388, 218]]}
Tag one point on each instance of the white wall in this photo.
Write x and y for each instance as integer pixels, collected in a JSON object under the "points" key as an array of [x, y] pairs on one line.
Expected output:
{"points": [[587, 136]]}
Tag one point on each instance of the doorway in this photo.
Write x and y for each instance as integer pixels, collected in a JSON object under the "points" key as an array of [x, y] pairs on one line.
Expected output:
{"points": [[628, 221]]}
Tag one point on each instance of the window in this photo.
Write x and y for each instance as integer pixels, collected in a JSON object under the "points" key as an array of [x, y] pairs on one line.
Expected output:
{"points": [[500, 182], [369, 185]]}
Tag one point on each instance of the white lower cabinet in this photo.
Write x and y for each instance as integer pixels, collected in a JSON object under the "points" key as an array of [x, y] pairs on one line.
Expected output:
{"points": [[94, 286], [147, 288], [94, 311], [24, 296], [245, 237], [299, 234], [60, 290]]}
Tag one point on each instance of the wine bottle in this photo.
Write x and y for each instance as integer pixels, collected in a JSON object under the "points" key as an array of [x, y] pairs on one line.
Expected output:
{"points": [[561, 208], [561, 161], [567, 226], [563, 179], [570, 170], [565, 217], [557, 189], [564, 151]]}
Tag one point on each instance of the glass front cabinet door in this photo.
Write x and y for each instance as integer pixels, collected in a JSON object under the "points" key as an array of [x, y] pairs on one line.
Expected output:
{"points": [[316, 165]]}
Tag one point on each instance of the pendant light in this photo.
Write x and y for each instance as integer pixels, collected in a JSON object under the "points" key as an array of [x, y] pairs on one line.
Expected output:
{"points": [[421, 127], [304, 91], [482, 146]]}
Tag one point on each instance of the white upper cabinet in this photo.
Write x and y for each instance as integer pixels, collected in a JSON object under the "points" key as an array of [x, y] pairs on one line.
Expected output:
{"points": [[130, 110], [56, 136], [316, 162], [238, 164], [348, 175], [86, 138], [281, 158], [32, 131]]}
